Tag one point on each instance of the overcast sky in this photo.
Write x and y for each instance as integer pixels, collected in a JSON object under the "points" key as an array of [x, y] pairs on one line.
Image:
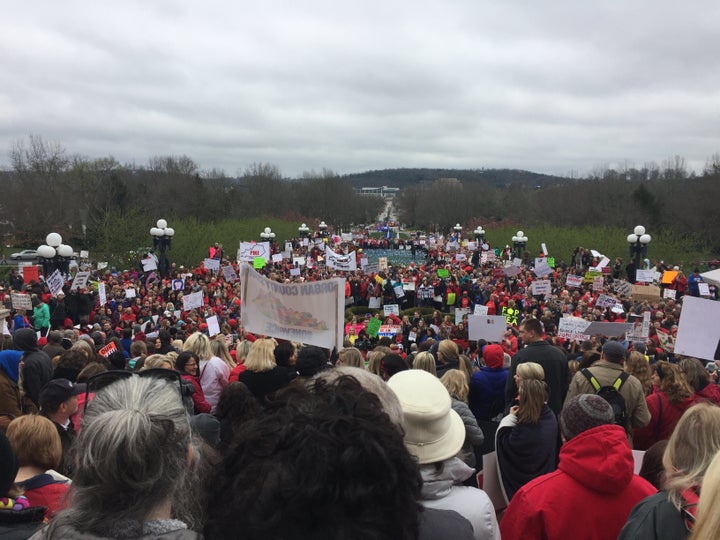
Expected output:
{"points": [[551, 87]]}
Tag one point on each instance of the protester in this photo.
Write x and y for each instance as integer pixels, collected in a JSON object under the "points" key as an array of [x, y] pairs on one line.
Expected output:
{"points": [[670, 513], [457, 387], [699, 380], [593, 489], [262, 375], [188, 365], [214, 373]]}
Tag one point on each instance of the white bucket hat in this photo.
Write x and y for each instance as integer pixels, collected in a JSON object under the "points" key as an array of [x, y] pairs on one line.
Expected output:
{"points": [[433, 431]]}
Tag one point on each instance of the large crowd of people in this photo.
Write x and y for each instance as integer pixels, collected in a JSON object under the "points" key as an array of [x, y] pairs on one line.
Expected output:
{"points": [[129, 418]]}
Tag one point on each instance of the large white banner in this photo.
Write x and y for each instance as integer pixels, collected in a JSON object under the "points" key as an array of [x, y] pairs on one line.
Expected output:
{"points": [[312, 312], [249, 250], [698, 331], [338, 261]]}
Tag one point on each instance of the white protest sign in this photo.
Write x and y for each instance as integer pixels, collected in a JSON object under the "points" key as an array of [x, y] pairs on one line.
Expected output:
{"points": [[605, 301], [192, 301], [149, 264], [480, 310], [178, 285], [211, 264], [393, 309], [213, 326], [698, 331], [640, 328], [363, 262], [289, 246], [84, 254], [542, 269], [598, 283], [21, 301], [704, 289], [540, 260], [573, 328], [622, 287], [511, 270], [250, 250], [5, 330], [596, 253], [295, 272], [517, 261], [460, 313], [488, 327], [542, 287], [399, 291], [130, 293], [471, 246], [544, 249], [374, 302], [80, 281], [277, 257], [102, 294], [229, 273], [102, 265], [299, 261], [645, 276], [338, 261], [55, 282], [573, 280], [603, 263], [669, 293], [382, 263]]}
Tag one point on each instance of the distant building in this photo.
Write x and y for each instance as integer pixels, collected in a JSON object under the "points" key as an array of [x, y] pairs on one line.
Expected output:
{"points": [[384, 191]]}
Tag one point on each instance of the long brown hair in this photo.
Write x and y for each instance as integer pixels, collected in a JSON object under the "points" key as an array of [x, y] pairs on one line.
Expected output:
{"points": [[672, 383]]}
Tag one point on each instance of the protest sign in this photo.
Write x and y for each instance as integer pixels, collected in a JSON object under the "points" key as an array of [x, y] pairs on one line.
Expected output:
{"points": [[551, 262], [84, 254], [393, 309], [698, 330], [382, 263], [544, 249], [461, 257], [667, 342], [229, 273], [373, 327], [259, 262], [102, 294], [640, 329], [651, 293], [460, 313], [250, 250], [704, 289], [149, 264], [512, 315], [669, 293], [307, 312], [211, 264], [573, 328], [294, 272], [277, 257], [213, 326], [30, 273], [363, 262], [573, 281], [511, 271], [621, 287], [542, 287], [192, 301], [480, 310], [178, 285], [488, 327], [668, 276], [603, 263], [21, 301], [107, 350], [517, 261], [598, 283], [130, 292], [80, 281], [591, 275], [374, 302], [388, 330], [605, 301], [338, 261], [443, 273], [55, 282], [299, 261], [645, 276], [399, 291], [542, 269]]}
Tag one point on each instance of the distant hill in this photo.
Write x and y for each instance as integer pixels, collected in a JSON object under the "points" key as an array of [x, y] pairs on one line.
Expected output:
{"points": [[493, 177]]}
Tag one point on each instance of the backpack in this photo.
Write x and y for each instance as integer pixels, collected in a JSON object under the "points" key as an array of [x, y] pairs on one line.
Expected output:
{"points": [[612, 395]]}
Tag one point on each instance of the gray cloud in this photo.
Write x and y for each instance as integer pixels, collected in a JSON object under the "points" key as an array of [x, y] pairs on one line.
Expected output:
{"points": [[551, 87]]}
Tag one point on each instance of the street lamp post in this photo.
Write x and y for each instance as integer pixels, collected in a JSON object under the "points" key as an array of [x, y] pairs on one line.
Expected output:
{"points": [[162, 239], [458, 230], [54, 254], [519, 242], [303, 230], [479, 234], [323, 230], [638, 241], [267, 235]]}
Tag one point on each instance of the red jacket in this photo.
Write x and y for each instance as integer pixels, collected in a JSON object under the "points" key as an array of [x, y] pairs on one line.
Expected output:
{"points": [[664, 416], [590, 495], [198, 397], [711, 392]]}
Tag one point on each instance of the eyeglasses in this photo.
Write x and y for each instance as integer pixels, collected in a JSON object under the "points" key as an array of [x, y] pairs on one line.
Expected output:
{"points": [[102, 380]]}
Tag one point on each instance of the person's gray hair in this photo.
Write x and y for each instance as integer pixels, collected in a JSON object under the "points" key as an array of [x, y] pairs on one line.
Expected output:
{"points": [[372, 383], [131, 457]]}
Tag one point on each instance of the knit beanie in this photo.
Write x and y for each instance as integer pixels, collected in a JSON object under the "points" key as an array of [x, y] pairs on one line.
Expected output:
{"points": [[493, 355], [584, 412]]}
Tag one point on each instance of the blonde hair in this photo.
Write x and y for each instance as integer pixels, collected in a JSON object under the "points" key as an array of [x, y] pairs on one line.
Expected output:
{"points": [[456, 383], [375, 361], [426, 362], [350, 356], [638, 366], [35, 441], [708, 518], [242, 349], [449, 350], [530, 371], [200, 345], [532, 396], [156, 361], [672, 383], [219, 349], [693, 444], [261, 356]]}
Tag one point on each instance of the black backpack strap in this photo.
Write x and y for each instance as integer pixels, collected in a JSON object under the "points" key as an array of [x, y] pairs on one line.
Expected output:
{"points": [[591, 378], [620, 380]]}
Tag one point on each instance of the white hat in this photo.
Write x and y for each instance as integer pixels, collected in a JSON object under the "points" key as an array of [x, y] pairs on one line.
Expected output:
{"points": [[433, 431]]}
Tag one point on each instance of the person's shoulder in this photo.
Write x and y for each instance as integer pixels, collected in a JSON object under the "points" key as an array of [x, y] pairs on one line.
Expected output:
{"points": [[436, 523]]}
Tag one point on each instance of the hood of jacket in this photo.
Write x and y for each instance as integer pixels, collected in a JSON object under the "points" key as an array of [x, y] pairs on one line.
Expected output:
{"points": [[25, 339], [599, 459], [438, 481]]}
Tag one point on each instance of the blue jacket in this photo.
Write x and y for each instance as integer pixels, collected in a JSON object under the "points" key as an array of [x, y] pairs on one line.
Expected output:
{"points": [[487, 387]]}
